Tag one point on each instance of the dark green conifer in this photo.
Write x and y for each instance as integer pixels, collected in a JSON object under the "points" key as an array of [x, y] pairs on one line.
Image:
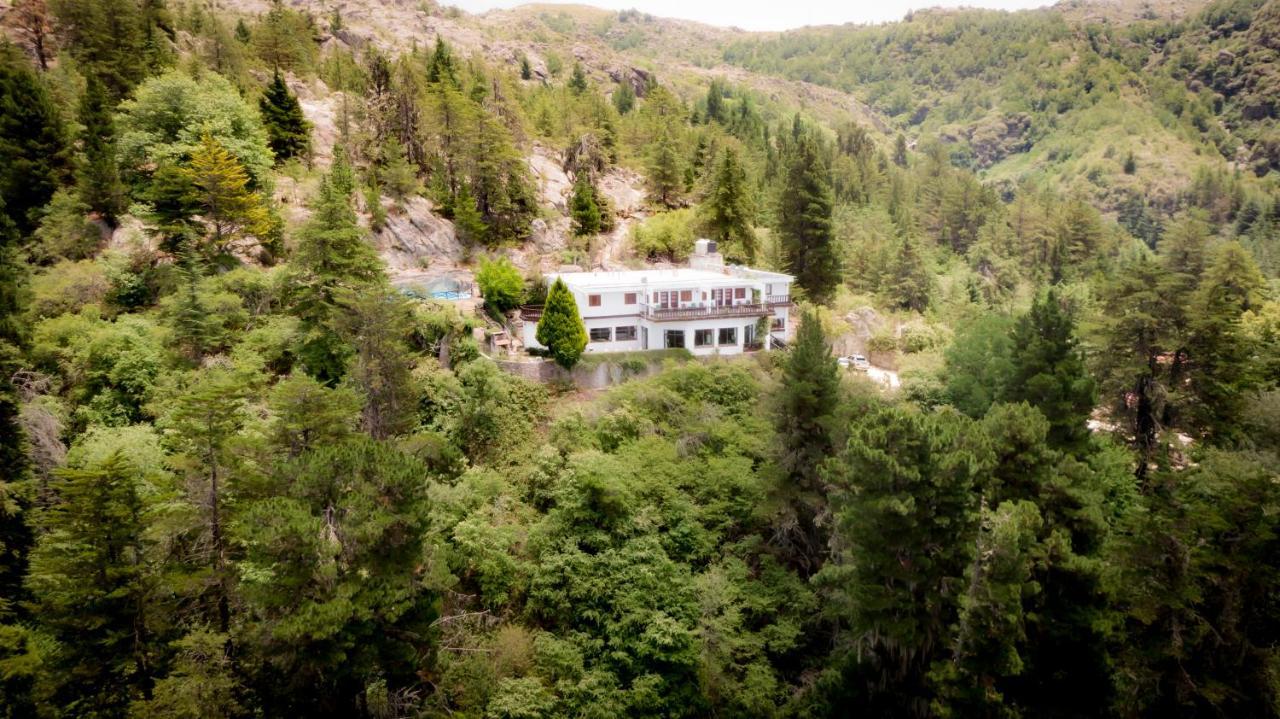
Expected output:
{"points": [[288, 131]]}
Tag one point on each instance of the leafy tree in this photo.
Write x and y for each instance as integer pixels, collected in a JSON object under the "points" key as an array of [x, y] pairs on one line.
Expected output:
{"points": [[288, 132], [1048, 372], [804, 419], [33, 158], [331, 577], [560, 329], [66, 231], [165, 123], [804, 222], [728, 209], [583, 208], [98, 177], [90, 588], [664, 181], [501, 284]]}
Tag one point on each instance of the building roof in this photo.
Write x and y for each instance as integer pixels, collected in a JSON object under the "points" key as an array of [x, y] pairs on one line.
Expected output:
{"points": [[672, 278]]}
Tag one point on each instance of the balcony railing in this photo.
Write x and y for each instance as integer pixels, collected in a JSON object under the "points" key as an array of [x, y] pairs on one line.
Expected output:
{"points": [[775, 300], [750, 309]]}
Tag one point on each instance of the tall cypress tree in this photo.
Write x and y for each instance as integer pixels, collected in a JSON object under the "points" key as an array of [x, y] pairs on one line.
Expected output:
{"points": [[560, 329], [804, 221], [98, 178], [806, 405], [288, 131]]}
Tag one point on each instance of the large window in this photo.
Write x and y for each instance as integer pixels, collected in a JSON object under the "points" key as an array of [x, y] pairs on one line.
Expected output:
{"points": [[675, 339], [629, 298], [728, 335], [703, 338], [779, 324], [601, 334], [624, 334], [593, 300]]}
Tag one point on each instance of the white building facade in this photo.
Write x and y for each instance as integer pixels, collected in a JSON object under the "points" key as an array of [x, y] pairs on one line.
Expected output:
{"points": [[707, 308]]}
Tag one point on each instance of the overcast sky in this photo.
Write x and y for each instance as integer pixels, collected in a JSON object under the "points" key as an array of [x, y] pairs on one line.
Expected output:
{"points": [[771, 14]]}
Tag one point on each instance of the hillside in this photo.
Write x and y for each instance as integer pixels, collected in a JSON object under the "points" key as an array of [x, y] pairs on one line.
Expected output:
{"points": [[1003, 442]]}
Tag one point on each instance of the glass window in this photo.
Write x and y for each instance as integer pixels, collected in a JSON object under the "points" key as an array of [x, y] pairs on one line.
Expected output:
{"points": [[686, 295], [740, 293], [601, 334], [624, 334], [779, 324], [675, 338], [629, 298], [728, 335], [703, 338], [593, 300]]}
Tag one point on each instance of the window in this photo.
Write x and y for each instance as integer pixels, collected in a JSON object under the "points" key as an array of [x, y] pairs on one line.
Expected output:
{"points": [[686, 295], [601, 334], [728, 335], [593, 300], [703, 338], [740, 293], [629, 298], [675, 339], [624, 334], [779, 324]]}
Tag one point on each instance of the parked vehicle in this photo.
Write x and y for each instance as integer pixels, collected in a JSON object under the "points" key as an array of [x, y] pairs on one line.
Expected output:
{"points": [[857, 362]]}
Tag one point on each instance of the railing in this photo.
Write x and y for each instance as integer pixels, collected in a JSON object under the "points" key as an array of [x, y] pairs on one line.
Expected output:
{"points": [[773, 300], [531, 313], [751, 309]]}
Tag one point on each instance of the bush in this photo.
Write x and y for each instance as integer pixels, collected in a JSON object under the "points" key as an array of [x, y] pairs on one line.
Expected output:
{"points": [[501, 284], [667, 235]]}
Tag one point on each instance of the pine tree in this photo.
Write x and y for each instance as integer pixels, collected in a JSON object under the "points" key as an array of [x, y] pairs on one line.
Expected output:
{"points": [[560, 329], [583, 208], [396, 173], [374, 323], [624, 98], [333, 586], [911, 279], [664, 180], [467, 221], [242, 32], [288, 131], [715, 101], [204, 422], [906, 518], [89, 584], [108, 38], [900, 151], [804, 222], [526, 72], [192, 323], [1223, 365], [807, 400], [221, 190], [578, 79], [15, 526], [727, 207], [33, 159], [441, 67], [1049, 372], [99, 175]]}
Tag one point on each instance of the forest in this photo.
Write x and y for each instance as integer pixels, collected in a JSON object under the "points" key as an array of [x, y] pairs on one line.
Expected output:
{"points": [[244, 474]]}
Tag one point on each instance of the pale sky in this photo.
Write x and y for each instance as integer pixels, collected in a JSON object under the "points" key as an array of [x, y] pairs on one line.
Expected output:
{"points": [[771, 14]]}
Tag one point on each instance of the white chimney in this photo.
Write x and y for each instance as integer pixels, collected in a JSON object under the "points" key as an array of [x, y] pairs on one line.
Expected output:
{"points": [[706, 256]]}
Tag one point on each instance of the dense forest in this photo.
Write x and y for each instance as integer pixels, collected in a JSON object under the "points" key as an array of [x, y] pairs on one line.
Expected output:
{"points": [[242, 473]]}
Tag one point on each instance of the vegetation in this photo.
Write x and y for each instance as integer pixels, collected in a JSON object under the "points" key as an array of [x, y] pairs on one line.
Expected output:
{"points": [[244, 475]]}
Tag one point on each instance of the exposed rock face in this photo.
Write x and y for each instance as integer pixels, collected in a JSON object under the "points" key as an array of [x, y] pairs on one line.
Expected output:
{"points": [[554, 184], [416, 237]]}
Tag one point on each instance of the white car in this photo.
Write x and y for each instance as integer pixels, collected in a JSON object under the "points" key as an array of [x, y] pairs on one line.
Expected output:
{"points": [[857, 362]]}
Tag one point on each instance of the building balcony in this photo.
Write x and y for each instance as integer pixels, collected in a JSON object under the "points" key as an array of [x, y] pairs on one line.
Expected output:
{"points": [[667, 314], [778, 300]]}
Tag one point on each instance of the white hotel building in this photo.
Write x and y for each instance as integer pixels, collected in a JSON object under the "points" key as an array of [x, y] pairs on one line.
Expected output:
{"points": [[706, 308]]}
